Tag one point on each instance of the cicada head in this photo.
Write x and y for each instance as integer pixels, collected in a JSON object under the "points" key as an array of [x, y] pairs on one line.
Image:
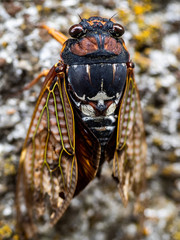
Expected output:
{"points": [[95, 40]]}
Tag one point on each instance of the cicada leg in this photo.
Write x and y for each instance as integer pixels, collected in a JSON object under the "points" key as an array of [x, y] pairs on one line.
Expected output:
{"points": [[60, 37], [44, 73]]}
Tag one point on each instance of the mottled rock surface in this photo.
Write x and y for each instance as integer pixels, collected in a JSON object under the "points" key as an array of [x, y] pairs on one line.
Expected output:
{"points": [[153, 39]]}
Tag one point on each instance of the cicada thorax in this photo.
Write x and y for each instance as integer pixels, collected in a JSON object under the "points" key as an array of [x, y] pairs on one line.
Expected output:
{"points": [[96, 77], [96, 90]]}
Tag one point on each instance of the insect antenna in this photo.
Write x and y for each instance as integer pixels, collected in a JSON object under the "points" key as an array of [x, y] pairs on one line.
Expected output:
{"points": [[80, 17], [112, 16]]}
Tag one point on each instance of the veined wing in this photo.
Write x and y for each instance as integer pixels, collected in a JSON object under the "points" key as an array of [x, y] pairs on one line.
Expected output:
{"points": [[130, 154], [88, 153], [47, 174]]}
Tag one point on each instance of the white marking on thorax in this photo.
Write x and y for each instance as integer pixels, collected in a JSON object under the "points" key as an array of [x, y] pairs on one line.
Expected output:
{"points": [[100, 102], [114, 70], [100, 96]]}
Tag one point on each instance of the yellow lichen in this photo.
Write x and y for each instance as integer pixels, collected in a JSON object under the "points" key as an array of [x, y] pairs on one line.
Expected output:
{"points": [[177, 236], [124, 15], [157, 117], [157, 141], [146, 231], [87, 13], [4, 44], [15, 237], [5, 231], [172, 157], [23, 26], [147, 35], [178, 53], [9, 169], [142, 61], [39, 7], [141, 8]]}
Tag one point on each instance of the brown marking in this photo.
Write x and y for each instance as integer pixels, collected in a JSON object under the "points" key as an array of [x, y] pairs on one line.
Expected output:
{"points": [[111, 45], [89, 73], [108, 103], [92, 104], [114, 71], [97, 111], [85, 46], [100, 40]]}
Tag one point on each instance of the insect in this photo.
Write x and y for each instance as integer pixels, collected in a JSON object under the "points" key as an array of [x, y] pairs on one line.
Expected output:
{"points": [[88, 112]]}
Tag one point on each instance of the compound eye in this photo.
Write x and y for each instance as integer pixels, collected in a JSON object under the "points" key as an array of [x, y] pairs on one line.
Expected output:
{"points": [[118, 30], [76, 31]]}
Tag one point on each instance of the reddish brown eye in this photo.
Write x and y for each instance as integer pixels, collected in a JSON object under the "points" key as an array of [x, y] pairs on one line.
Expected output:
{"points": [[76, 31], [117, 30]]}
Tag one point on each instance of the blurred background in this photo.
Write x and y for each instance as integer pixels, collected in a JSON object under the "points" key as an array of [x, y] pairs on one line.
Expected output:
{"points": [[153, 40]]}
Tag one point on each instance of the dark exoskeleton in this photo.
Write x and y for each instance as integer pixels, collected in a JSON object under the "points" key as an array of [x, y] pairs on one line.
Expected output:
{"points": [[88, 112]]}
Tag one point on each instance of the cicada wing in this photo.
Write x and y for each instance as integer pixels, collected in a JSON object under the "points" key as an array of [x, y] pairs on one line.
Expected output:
{"points": [[130, 153], [88, 153], [47, 175]]}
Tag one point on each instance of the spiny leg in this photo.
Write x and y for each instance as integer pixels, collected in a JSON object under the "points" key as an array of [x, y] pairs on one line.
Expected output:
{"points": [[60, 37], [35, 80]]}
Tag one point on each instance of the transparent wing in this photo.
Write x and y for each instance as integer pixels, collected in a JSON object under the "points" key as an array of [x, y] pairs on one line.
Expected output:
{"points": [[47, 174], [130, 153]]}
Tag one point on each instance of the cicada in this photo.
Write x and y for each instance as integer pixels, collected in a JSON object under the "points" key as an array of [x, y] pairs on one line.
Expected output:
{"points": [[88, 112]]}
